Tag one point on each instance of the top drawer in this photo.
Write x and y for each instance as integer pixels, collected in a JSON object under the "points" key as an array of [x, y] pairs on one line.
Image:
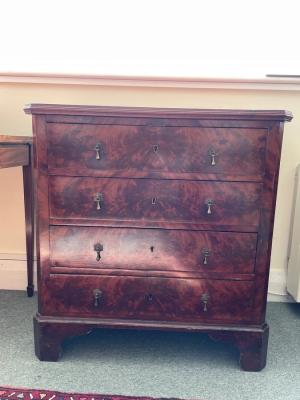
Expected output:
{"points": [[140, 151]]}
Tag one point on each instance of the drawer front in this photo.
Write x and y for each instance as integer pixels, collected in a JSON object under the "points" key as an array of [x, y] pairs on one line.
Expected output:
{"points": [[149, 298], [152, 250], [216, 203], [102, 150]]}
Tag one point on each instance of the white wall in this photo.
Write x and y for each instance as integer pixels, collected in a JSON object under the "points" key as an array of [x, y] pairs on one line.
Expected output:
{"points": [[161, 38]]}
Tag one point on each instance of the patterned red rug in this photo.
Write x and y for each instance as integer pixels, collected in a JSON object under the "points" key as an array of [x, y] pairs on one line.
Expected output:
{"points": [[7, 393]]}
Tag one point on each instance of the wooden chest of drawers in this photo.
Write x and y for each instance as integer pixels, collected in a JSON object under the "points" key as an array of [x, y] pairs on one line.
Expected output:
{"points": [[155, 219]]}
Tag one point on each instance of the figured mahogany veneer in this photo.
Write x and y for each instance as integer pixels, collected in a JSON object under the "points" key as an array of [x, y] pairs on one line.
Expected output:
{"points": [[155, 219], [145, 149], [151, 298], [152, 250], [171, 201]]}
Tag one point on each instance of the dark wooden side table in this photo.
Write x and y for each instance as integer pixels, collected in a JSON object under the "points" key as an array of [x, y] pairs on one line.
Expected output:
{"points": [[17, 151]]}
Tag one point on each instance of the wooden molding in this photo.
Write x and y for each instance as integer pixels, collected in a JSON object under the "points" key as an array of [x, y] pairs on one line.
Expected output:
{"points": [[13, 140], [48, 109], [287, 84]]}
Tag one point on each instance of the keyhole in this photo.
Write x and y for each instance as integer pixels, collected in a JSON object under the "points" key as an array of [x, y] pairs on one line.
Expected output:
{"points": [[155, 148], [152, 249], [153, 201], [150, 298]]}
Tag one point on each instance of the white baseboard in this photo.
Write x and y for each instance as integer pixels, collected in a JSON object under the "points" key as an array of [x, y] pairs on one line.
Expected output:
{"points": [[13, 271], [13, 276], [277, 286]]}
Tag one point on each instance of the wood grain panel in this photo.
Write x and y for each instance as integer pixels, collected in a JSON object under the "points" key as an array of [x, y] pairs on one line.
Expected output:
{"points": [[146, 150], [14, 155], [174, 200], [149, 298], [149, 249]]}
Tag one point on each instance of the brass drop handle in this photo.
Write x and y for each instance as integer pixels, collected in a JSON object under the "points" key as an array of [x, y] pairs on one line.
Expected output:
{"points": [[98, 295], [209, 204], [206, 254], [212, 155], [204, 301], [98, 198], [98, 247], [98, 148]]}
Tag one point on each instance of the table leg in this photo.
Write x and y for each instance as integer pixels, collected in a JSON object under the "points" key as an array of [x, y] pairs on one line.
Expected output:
{"points": [[29, 222]]}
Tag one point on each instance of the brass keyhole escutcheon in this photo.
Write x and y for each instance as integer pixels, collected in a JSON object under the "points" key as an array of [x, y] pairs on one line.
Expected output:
{"points": [[149, 298], [155, 148]]}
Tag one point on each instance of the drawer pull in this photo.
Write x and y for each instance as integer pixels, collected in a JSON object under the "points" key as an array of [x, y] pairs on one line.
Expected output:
{"points": [[98, 247], [206, 254], [204, 301], [212, 155], [97, 297], [98, 150], [99, 200], [209, 204]]}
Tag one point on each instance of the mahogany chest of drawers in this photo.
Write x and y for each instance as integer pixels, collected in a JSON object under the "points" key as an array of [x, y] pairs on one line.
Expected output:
{"points": [[155, 219]]}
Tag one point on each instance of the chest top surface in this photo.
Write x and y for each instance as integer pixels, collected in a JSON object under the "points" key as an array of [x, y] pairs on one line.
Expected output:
{"points": [[87, 110]]}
